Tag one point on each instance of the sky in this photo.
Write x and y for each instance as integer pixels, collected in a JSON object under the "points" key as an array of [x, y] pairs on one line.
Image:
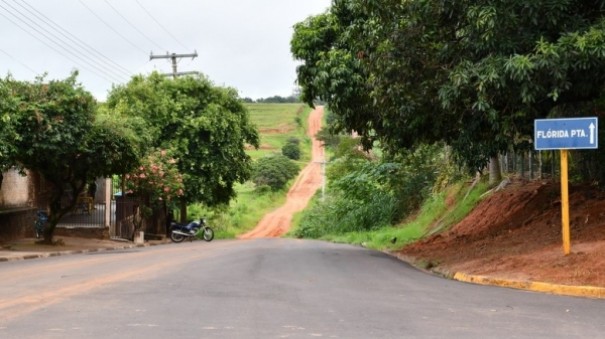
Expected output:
{"points": [[244, 44]]}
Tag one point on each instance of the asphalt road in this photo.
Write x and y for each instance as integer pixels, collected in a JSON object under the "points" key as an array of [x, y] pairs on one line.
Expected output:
{"points": [[269, 288]]}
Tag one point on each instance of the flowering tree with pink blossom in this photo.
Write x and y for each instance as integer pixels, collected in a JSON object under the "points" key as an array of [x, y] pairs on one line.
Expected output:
{"points": [[157, 182]]}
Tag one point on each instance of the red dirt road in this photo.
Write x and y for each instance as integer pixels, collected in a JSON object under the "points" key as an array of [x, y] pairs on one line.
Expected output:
{"points": [[277, 223]]}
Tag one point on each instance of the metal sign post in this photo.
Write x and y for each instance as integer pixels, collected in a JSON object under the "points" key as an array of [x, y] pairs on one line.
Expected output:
{"points": [[565, 134]]}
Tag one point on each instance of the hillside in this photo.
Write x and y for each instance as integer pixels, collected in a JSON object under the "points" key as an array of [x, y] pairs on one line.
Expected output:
{"points": [[277, 222], [516, 234]]}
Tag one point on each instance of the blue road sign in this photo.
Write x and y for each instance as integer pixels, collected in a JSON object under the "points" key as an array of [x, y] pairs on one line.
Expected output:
{"points": [[566, 133]]}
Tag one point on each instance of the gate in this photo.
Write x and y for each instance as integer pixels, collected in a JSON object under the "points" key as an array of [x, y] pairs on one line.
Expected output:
{"points": [[90, 210], [124, 214]]}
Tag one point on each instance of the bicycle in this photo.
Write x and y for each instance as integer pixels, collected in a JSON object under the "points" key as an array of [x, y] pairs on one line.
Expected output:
{"points": [[40, 223]]}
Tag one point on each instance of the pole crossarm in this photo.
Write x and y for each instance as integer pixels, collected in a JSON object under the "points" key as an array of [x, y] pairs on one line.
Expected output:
{"points": [[181, 73], [173, 57]]}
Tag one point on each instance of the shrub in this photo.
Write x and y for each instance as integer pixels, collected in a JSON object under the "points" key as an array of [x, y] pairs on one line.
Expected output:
{"points": [[274, 171], [291, 150], [293, 140]]}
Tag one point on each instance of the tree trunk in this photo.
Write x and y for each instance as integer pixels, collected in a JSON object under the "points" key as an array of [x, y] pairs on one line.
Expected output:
{"points": [[495, 175], [183, 211], [53, 220], [57, 211]]}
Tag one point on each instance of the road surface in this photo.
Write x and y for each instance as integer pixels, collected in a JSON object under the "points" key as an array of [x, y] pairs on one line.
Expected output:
{"points": [[269, 288]]}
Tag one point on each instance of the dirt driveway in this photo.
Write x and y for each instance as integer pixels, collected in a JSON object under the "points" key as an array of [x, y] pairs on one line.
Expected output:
{"points": [[277, 222]]}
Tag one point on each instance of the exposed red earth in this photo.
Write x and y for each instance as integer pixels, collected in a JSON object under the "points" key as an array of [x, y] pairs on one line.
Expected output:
{"points": [[515, 234], [309, 180]]}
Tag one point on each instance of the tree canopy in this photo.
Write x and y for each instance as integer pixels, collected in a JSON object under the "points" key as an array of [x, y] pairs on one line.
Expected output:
{"points": [[205, 127], [472, 74], [57, 135], [7, 134]]}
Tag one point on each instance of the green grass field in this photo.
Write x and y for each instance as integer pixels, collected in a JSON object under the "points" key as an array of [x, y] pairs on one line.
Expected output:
{"points": [[277, 123]]}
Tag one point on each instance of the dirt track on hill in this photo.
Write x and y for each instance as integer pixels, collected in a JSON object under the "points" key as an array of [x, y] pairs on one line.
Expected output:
{"points": [[277, 222]]}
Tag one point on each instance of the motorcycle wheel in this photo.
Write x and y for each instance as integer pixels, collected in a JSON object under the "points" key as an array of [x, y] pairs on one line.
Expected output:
{"points": [[208, 234], [176, 237]]}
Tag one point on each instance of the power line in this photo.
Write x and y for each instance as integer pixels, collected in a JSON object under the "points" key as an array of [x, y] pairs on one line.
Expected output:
{"points": [[133, 26], [81, 44], [21, 63], [104, 76], [159, 24], [111, 27], [61, 43]]}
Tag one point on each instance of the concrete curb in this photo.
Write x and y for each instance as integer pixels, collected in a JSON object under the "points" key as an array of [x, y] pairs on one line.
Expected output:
{"points": [[534, 286], [15, 256], [576, 291]]}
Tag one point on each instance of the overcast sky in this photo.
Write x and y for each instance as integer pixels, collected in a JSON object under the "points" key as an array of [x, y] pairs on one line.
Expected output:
{"points": [[243, 44]]}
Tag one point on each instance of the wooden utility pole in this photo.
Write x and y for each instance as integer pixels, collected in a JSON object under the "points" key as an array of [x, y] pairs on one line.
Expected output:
{"points": [[173, 58]]}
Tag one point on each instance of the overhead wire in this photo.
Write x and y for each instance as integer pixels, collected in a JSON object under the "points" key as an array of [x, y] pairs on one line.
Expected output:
{"points": [[59, 42], [91, 51], [110, 78], [160, 25], [112, 28], [20, 62], [133, 26]]}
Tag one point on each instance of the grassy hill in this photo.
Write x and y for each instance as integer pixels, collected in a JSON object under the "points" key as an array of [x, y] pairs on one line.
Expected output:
{"points": [[276, 123]]}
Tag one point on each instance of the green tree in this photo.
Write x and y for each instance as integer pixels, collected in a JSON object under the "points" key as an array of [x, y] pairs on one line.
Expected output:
{"points": [[7, 133], [205, 127], [291, 149], [472, 74], [59, 138], [332, 73], [274, 171]]}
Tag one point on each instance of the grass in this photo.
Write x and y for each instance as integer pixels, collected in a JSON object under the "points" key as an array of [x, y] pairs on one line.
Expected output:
{"points": [[276, 124], [242, 214]]}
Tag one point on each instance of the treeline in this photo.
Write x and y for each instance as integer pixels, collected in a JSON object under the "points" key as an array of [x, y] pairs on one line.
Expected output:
{"points": [[276, 99], [472, 75], [436, 91]]}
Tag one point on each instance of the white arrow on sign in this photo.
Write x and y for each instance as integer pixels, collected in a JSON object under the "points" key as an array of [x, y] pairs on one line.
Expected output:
{"points": [[592, 127]]}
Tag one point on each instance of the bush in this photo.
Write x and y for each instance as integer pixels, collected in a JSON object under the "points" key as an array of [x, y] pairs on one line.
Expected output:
{"points": [[293, 140], [291, 150], [274, 171], [365, 195]]}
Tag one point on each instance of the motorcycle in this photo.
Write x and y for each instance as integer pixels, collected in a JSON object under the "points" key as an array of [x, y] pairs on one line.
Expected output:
{"points": [[180, 232], [39, 224]]}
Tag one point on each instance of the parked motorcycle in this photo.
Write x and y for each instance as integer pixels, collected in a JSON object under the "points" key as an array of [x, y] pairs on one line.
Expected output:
{"points": [[40, 223], [180, 232]]}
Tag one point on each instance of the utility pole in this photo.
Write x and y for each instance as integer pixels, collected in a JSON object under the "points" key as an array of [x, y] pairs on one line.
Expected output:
{"points": [[173, 58]]}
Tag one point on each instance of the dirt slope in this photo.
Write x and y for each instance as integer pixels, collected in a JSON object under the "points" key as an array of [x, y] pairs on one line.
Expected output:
{"points": [[277, 222], [516, 234]]}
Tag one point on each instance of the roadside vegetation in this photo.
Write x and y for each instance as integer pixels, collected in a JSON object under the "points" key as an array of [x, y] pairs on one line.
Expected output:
{"points": [[437, 92], [385, 202]]}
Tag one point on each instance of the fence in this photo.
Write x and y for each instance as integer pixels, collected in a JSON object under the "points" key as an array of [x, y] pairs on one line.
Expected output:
{"points": [[531, 165]]}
